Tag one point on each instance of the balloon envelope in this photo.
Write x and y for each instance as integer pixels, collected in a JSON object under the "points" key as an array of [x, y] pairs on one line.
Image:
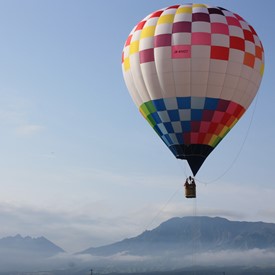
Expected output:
{"points": [[192, 70]]}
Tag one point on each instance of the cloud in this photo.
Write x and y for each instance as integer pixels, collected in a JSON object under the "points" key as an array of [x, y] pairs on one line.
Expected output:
{"points": [[73, 229], [253, 257], [27, 130], [227, 258]]}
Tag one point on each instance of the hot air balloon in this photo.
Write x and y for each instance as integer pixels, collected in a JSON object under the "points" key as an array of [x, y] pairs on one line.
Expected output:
{"points": [[192, 70]]}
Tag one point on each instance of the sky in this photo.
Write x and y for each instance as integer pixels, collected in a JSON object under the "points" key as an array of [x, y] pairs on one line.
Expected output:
{"points": [[78, 164]]}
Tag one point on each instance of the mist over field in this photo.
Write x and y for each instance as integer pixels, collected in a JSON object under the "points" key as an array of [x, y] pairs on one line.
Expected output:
{"points": [[177, 244]]}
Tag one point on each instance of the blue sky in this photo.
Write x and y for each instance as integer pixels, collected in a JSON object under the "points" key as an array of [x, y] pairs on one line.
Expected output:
{"points": [[78, 164]]}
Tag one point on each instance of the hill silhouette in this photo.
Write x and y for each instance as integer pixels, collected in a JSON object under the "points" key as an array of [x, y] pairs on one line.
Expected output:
{"points": [[200, 233]]}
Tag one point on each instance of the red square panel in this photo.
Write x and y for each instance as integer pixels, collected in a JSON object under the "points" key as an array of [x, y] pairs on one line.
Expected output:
{"points": [[237, 43], [140, 25], [187, 138], [248, 35], [218, 52], [212, 128], [204, 126], [218, 116], [201, 138], [194, 138]]}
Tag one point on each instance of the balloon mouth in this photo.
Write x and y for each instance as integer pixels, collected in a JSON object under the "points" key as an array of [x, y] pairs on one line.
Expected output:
{"points": [[195, 154]]}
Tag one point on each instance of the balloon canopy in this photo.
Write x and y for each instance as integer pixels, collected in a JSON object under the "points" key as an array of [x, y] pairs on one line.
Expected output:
{"points": [[192, 70]]}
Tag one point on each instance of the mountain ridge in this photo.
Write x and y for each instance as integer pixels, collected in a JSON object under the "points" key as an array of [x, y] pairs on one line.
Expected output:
{"points": [[37, 246], [216, 242], [183, 233]]}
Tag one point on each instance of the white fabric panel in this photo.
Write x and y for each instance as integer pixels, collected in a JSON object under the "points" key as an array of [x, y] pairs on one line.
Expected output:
{"points": [[197, 103], [181, 65], [235, 31], [201, 27], [234, 68], [218, 66], [228, 13], [164, 67], [182, 76], [174, 138], [244, 25], [182, 79], [198, 90], [257, 41], [146, 43], [198, 51], [200, 9], [249, 47], [255, 78], [179, 17], [163, 29], [231, 81], [179, 39], [200, 64], [246, 72], [228, 94], [216, 79], [199, 77], [213, 90], [162, 129], [151, 22], [177, 127], [236, 56], [171, 103], [183, 90], [151, 80], [258, 65], [185, 115], [217, 18], [169, 11], [242, 84], [132, 88], [240, 91], [164, 116], [220, 40], [136, 36], [252, 91], [138, 77]]}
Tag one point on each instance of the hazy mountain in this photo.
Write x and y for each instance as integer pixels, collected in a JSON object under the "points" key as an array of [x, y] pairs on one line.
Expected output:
{"points": [[194, 233], [38, 246], [207, 245], [180, 243], [20, 253]]}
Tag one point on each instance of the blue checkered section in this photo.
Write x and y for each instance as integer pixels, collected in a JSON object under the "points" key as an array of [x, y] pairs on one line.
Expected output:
{"points": [[173, 116], [191, 120]]}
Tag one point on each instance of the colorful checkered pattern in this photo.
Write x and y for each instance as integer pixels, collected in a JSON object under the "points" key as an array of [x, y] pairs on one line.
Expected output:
{"points": [[191, 120], [193, 70], [223, 33]]}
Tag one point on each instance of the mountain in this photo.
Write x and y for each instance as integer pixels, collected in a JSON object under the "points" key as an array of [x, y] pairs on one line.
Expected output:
{"points": [[181, 243], [28, 245], [179, 246], [23, 253], [182, 235]]}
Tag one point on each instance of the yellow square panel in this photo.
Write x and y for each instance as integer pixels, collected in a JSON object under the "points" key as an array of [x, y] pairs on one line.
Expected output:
{"points": [[126, 64], [166, 19], [148, 32], [134, 47], [184, 10]]}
